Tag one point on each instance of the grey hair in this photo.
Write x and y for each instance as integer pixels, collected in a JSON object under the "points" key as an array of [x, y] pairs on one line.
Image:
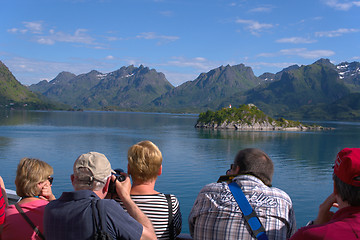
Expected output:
{"points": [[83, 180]]}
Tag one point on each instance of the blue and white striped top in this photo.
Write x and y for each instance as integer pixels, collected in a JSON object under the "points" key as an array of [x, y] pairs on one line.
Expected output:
{"points": [[155, 207]]}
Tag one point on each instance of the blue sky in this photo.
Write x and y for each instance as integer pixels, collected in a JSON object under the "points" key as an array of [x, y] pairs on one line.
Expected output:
{"points": [[181, 38]]}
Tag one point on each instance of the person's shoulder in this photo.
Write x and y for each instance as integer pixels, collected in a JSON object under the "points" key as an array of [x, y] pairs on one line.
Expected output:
{"points": [[174, 199], [281, 194], [214, 187], [307, 232], [10, 210], [41, 202], [110, 204], [172, 196]]}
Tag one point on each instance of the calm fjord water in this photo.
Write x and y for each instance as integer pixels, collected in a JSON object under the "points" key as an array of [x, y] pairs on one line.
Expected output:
{"points": [[192, 157]]}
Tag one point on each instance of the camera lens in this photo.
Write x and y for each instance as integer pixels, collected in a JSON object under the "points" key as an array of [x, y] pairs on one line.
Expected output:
{"points": [[119, 177]]}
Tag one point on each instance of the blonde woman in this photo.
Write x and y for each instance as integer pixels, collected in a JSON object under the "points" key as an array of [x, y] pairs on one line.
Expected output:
{"points": [[163, 210], [33, 184]]}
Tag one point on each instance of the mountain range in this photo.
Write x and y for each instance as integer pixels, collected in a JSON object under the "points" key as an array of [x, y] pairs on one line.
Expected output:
{"points": [[319, 91], [14, 95], [126, 88]]}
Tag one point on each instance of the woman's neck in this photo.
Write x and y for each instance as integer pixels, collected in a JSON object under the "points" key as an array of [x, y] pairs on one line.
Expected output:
{"points": [[27, 199], [143, 188]]}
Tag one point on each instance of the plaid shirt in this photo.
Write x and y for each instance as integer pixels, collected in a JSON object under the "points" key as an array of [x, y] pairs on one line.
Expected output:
{"points": [[216, 214]]}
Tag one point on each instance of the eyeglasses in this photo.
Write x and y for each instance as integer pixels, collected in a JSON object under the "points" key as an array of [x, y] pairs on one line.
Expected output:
{"points": [[231, 167], [51, 179]]}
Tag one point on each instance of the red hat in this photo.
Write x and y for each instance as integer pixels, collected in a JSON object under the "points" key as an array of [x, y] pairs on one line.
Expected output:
{"points": [[347, 166]]}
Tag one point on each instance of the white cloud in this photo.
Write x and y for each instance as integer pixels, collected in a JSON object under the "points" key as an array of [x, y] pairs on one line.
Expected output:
{"points": [[45, 40], [34, 27], [113, 38], [305, 53], [262, 9], [254, 26], [79, 36], [342, 5], [295, 40], [110, 57], [200, 59], [13, 30], [154, 36], [199, 63], [336, 33], [267, 54], [301, 52], [280, 65]]}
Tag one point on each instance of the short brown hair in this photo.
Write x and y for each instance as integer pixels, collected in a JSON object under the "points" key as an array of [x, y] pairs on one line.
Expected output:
{"points": [[30, 172], [145, 160], [347, 192], [255, 162]]}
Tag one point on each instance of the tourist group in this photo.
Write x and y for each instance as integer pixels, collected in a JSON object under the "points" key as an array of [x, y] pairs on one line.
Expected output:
{"points": [[106, 204]]}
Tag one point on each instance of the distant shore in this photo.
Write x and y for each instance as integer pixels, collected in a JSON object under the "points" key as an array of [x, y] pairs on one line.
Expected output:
{"points": [[259, 127]]}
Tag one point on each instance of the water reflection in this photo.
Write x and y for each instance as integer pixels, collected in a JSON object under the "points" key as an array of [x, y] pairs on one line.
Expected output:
{"points": [[192, 157]]}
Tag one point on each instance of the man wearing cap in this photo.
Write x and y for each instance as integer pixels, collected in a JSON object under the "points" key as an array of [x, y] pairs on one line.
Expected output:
{"points": [[344, 223], [76, 215], [217, 215]]}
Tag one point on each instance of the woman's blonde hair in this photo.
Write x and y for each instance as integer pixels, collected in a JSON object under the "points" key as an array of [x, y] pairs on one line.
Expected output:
{"points": [[144, 160], [30, 172]]}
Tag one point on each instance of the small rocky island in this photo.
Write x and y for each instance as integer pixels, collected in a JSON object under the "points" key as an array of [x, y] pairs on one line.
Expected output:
{"points": [[249, 117]]}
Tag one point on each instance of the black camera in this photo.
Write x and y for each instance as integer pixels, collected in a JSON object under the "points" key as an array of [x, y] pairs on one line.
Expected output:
{"points": [[119, 177]]}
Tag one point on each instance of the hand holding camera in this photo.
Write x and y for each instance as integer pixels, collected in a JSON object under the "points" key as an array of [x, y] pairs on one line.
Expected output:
{"points": [[118, 177]]}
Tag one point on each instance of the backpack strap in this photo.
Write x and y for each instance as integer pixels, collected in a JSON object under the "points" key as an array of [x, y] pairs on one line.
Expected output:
{"points": [[100, 230], [171, 218], [102, 217], [249, 214], [96, 228], [28, 220]]}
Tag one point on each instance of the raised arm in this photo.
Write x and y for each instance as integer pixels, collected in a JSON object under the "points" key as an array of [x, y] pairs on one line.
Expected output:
{"points": [[325, 214]]}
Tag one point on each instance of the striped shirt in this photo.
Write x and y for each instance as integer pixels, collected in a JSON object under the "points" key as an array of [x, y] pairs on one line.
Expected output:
{"points": [[216, 214], [155, 207]]}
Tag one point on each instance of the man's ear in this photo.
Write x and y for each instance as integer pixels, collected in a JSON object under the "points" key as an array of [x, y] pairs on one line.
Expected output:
{"points": [[72, 178], [237, 169], [106, 187], [160, 170], [128, 169]]}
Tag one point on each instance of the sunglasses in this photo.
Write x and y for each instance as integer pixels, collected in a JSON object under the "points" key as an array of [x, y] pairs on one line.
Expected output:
{"points": [[51, 179]]}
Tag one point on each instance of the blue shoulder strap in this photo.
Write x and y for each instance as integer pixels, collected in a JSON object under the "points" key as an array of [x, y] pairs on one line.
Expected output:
{"points": [[249, 214]]}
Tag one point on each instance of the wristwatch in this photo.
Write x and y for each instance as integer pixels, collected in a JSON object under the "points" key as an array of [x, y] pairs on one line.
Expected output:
{"points": [[310, 223]]}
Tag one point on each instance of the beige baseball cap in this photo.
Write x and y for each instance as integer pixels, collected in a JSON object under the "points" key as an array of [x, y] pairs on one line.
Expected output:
{"points": [[97, 163]]}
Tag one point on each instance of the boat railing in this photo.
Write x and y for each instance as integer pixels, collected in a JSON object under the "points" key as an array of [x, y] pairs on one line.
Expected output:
{"points": [[12, 196]]}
